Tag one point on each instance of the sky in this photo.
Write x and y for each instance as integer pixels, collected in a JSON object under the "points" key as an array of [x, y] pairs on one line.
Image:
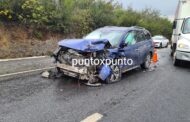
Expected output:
{"points": [[166, 7]]}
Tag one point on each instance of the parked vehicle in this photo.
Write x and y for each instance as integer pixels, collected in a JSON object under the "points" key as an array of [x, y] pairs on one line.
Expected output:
{"points": [[160, 41], [180, 49], [105, 43]]}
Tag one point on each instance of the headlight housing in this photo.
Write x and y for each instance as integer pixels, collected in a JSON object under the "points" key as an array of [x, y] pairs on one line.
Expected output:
{"points": [[183, 46]]}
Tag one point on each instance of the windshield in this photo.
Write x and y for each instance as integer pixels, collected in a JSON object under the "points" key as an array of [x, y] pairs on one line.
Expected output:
{"points": [[186, 28], [158, 37], [114, 37]]}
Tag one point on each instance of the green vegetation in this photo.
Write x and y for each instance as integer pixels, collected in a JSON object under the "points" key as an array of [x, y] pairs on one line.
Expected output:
{"points": [[78, 17]]}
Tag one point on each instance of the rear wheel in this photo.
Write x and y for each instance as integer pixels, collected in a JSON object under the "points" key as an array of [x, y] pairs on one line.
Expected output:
{"points": [[115, 74], [147, 62]]}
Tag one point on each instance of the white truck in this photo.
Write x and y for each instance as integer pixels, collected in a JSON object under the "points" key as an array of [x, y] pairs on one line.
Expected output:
{"points": [[180, 48]]}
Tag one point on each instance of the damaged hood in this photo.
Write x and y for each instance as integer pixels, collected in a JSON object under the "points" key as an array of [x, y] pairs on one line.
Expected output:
{"points": [[87, 45]]}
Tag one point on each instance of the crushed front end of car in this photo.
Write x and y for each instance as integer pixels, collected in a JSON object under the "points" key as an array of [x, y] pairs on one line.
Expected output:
{"points": [[81, 50]]}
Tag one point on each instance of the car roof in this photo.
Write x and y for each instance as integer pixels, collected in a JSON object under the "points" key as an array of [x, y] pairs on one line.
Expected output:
{"points": [[116, 28]]}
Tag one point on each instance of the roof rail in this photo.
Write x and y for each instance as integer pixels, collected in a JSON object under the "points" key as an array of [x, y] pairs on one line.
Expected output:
{"points": [[138, 27], [109, 26]]}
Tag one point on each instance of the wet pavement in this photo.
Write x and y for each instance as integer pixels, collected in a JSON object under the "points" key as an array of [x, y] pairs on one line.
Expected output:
{"points": [[13, 66], [162, 95]]}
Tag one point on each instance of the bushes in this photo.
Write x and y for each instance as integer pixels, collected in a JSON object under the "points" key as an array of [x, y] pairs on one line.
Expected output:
{"points": [[148, 18], [79, 16], [24, 22], [102, 14], [5, 11], [81, 22], [33, 12]]}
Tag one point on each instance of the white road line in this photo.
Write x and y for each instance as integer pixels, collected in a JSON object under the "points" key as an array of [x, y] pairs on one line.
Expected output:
{"points": [[18, 59], [93, 118], [29, 71]]}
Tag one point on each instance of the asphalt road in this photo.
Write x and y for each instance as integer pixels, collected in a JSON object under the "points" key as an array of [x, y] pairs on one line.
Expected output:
{"points": [[162, 95], [12, 66]]}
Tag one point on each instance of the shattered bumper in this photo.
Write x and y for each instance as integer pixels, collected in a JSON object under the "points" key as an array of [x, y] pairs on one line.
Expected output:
{"points": [[77, 72], [83, 73]]}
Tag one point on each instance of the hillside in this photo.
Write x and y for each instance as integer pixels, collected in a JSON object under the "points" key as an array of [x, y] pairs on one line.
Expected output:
{"points": [[17, 41], [33, 27]]}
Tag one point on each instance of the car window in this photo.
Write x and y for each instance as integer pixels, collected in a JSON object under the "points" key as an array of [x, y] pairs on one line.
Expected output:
{"points": [[158, 37], [147, 35], [114, 37], [186, 28], [131, 38], [140, 36]]}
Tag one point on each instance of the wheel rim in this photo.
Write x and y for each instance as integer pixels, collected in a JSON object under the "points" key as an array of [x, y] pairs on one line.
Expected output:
{"points": [[115, 75], [148, 61]]}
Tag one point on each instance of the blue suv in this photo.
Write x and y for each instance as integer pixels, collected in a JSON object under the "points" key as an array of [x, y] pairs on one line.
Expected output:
{"points": [[134, 44]]}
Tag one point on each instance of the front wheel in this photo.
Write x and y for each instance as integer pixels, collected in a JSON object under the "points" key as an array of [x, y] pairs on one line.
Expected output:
{"points": [[147, 62], [160, 45], [173, 48], [176, 62], [115, 74]]}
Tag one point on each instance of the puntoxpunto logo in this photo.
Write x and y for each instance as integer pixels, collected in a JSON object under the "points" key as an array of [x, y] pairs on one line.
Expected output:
{"points": [[91, 62]]}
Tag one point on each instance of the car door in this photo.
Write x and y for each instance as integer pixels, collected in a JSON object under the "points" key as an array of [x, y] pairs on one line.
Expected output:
{"points": [[131, 49], [142, 44]]}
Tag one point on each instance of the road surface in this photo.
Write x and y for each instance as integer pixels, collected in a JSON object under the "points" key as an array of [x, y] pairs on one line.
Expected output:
{"points": [[162, 95]]}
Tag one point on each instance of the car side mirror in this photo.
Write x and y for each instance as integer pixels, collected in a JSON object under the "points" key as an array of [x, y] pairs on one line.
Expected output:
{"points": [[174, 24]]}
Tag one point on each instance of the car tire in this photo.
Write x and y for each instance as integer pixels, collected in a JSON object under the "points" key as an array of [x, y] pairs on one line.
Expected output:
{"points": [[176, 62], [160, 45], [173, 49], [167, 45], [171, 53], [115, 75], [147, 62]]}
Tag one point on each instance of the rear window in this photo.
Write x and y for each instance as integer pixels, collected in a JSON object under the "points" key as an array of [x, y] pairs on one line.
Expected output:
{"points": [[158, 37]]}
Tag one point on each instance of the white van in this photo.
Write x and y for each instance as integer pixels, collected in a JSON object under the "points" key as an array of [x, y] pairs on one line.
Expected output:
{"points": [[181, 33]]}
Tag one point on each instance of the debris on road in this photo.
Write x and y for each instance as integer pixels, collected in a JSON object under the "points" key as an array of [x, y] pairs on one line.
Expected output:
{"points": [[46, 74], [152, 67], [93, 84]]}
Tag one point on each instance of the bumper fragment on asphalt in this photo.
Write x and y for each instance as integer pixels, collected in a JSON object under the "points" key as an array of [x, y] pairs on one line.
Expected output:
{"points": [[93, 118], [45, 74]]}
